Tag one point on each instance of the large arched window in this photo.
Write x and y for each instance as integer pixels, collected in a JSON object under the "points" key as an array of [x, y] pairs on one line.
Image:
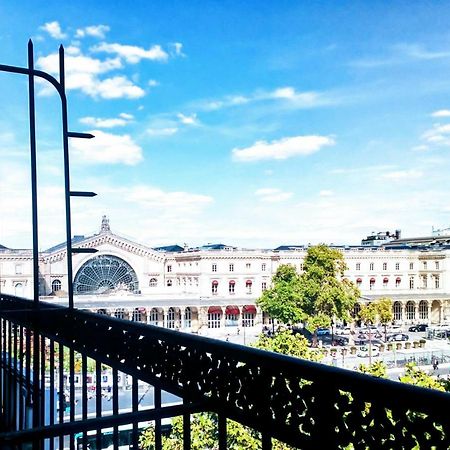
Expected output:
{"points": [[56, 285], [410, 313], [154, 316], [423, 310], [397, 311], [187, 317], [120, 313], [104, 274], [18, 289]]}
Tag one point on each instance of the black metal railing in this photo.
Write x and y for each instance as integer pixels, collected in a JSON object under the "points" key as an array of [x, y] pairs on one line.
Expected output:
{"points": [[64, 402]]}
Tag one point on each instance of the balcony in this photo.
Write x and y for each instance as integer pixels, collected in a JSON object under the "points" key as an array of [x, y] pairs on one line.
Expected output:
{"points": [[48, 349]]}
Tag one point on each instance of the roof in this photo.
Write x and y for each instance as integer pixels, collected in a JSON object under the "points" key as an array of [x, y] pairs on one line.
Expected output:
{"points": [[169, 248], [215, 247], [75, 240], [289, 247], [2, 247]]}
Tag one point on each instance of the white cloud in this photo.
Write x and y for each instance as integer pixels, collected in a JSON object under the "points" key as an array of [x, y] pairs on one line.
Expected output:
{"points": [[153, 83], [126, 116], [83, 73], [282, 148], [177, 49], [166, 131], [438, 135], [188, 120], [107, 148], [106, 123], [97, 31], [326, 193], [132, 53], [54, 30], [441, 113], [286, 94], [420, 148], [272, 195], [118, 87], [401, 175]]}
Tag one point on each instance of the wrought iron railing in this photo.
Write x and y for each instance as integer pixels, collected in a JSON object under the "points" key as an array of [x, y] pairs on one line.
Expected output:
{"points": [[301, 403]]}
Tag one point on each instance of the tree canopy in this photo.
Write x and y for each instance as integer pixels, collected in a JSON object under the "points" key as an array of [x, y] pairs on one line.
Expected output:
{"points": [[318, 295]]}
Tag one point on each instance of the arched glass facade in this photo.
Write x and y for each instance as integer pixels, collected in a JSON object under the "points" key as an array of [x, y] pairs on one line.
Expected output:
{"points": [[105, 273]]}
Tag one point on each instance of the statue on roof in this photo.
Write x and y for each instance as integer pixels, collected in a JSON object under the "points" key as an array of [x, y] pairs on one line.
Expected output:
{"points": [[105, 228]]}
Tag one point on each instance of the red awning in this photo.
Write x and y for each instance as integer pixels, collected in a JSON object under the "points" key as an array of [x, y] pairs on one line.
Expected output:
{"points": [[249, 309], [232, 282], [214, 309], [141, 309], [215, 282], [398, 279], [385, 280], [232, 310], [249, 282], [358, 280], [372, 280]]}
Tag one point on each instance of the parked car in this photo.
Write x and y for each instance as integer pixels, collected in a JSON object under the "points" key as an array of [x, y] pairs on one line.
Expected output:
{"points": [[420, 327], [322, 331], [398, 337], [364, 351]]}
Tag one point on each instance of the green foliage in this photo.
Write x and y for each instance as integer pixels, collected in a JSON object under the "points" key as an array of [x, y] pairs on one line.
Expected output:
{"points": [[204, 435], [414, 375], [384, 307], [282, 300], [287, 343], [377, 369], [316, 296], [368, 313]]}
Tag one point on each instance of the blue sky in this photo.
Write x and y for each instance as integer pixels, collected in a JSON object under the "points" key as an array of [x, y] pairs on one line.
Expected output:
{"points": [[250, 123]]}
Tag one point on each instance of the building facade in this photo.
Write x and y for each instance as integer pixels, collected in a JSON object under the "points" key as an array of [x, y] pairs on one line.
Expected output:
{"points": [[213, 289]]}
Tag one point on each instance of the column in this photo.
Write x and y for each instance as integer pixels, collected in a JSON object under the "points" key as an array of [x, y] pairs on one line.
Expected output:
{"points": [[403, 313], [429, 313], [222, 319], [182, 311], [441, 313], [165, 310], [416, 312]]}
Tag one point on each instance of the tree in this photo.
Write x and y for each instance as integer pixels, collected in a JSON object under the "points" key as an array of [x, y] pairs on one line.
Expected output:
{"points": [[287, 343], [205, 436], [414, 375], [377, 369], [315, 297], [282, 300], [385, 314]]}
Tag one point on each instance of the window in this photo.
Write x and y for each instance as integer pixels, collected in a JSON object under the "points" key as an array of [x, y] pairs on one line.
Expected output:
{"points": [[214, 286], [231, 285], [424, 265], [425, 282], [436, 281], [153, 282], [371, 266], [214, 317], [397, 311], [171, 318], [187, 317], [169, 268], [138, 315], [264, 286], [358, 266], [436, 265], [397, 282], [423, 310], [214, 268], [397, 266], [231, 267], [385, 282], [411, 282], [384, 266], [56, 285], [248, 319], [410, 311], [120, 313], [18, 269], [411, 266], [372, 283], [169, 283], [301, 267], [18, 290], [358, 282], [248, 266], [154, 317], [263, 267], [248, 286]]}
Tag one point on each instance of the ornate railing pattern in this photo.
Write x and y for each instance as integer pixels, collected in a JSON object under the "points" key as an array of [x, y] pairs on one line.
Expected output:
{"points": [[304, 404]]}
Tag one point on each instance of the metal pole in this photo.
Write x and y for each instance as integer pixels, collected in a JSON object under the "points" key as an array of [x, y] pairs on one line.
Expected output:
{"points": [[66, 177], [34, 207]]}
